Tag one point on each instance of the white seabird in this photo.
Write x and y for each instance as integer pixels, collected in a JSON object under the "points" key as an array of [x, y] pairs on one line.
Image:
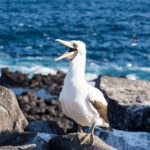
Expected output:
{"points": [[80, 101]]}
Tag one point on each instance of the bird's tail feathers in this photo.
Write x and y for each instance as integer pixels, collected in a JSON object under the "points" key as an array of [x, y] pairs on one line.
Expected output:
{"points": [[106, 128]]}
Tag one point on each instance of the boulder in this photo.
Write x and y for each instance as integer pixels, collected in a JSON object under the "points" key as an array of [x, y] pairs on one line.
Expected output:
{"points": [[47, 126], [11, 117], [23, 147], [60, 143], [128, 102], [123, 140], [15, 139]]}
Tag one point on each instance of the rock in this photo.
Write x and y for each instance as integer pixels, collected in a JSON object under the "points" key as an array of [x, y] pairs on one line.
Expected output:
{"points": [[44, 127], [60, 143], [18, 79], [15, 139], [11, 117], [37, 77], [15, 79], [23, 147], [36, 108], [33, 107], [123, 140], [61, 74], [128, 102]]}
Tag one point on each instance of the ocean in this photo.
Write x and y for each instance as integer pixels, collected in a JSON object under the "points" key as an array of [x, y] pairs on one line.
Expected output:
{"points": [[28, 29]]}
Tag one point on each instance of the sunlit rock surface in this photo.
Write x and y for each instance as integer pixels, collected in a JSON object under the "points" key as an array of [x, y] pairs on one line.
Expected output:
{"points": [[128, 102], [22, 147], [11, 117]]}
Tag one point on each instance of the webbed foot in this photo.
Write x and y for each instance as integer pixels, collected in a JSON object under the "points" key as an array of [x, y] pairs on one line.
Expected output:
{"points": [[87, 139]]}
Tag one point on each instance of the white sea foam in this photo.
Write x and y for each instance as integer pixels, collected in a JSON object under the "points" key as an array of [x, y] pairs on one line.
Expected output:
{"points": [[35, 58], [89, 77], [92, 64], [21, 25], [28, 47], [64, 70], [132, 76], [38, 70], [129, 65], [45, 70], [147, 69], [117, 67]]}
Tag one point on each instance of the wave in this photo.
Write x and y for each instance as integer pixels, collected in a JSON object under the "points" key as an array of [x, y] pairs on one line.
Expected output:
{"points": [[46, 65], [132, 77], [146, 69], [38, 69]]}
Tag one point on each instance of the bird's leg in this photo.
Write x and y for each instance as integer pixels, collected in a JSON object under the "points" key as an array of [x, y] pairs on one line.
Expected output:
{"points": [[89, 138], [73, 136], [80, 128], [81, 134]]}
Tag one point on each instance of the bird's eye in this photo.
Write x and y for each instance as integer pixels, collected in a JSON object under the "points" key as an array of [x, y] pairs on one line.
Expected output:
{"points": [[74, 45]]}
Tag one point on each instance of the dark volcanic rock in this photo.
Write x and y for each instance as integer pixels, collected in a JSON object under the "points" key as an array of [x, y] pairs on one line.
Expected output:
{"points": [[11, 117], [33, 107], [23, 147], [36, 108], [15, 139], [128, 102], [13, 78], [44, 127], [18, 79], [59, 143]]}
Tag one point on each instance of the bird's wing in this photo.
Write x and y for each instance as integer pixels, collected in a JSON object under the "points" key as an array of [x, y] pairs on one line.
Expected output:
{"points": [[101, 109], [98, 102]]}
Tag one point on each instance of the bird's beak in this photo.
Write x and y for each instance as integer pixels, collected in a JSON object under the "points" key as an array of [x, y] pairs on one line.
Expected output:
{"points": [[67, 54]]}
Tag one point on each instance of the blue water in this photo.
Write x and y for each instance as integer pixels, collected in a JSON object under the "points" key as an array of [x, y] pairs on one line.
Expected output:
{"points": [[40, 93], [28, 29]]}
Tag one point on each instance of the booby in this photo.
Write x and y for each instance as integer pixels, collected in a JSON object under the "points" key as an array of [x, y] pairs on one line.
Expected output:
{"points": [[80, 101], [134, 40]]}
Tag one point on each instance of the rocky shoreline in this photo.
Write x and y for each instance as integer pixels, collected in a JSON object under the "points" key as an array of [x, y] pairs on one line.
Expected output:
{"points": [[34, 107], [40, 118]]}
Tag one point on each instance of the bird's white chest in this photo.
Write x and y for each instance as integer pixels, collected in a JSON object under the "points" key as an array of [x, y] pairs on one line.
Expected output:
{"points": [[75, 105]]}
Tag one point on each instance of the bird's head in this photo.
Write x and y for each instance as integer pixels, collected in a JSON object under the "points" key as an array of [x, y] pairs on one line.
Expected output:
{"points": [[76, 47]]}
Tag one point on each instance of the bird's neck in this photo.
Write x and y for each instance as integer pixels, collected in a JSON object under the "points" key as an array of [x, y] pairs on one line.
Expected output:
{"points": [[76, 70]]}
